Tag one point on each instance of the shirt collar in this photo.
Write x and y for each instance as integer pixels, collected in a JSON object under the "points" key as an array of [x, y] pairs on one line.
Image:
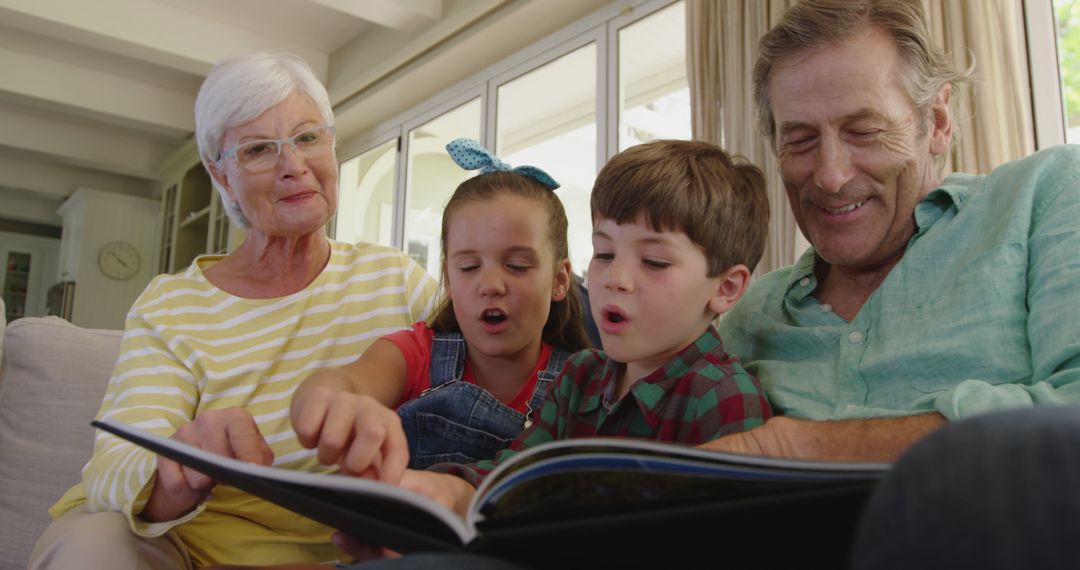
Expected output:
{"points": [[930, 209], [802, 281], [649, 394]]}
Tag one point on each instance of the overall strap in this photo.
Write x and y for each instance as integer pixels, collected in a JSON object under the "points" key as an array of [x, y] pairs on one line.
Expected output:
{"points": [[544, 379], [447, 358]]}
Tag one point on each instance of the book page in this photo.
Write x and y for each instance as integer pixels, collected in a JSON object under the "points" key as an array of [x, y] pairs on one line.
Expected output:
{"points": [[586, 474], [385, 514]]}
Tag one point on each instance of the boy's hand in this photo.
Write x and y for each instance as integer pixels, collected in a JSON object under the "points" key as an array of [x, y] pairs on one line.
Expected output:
{"points": [[447, 490], [356, 432]]}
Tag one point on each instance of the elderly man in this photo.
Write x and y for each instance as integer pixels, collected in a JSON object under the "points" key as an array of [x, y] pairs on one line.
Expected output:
{"points": [[923, 300]]}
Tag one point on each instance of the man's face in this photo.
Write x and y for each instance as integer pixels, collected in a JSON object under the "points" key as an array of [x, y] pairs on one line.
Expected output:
{"points": [[855, 156]]}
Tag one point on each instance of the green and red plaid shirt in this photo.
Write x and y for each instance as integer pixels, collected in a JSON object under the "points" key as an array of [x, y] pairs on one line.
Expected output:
{"points": [[700, 394]]}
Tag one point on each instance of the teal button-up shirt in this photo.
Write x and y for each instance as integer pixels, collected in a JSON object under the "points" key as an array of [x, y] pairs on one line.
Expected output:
{"points": [[981, 313]]}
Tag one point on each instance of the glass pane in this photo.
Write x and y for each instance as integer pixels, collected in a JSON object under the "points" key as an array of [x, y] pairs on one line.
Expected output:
{"points": [[219, 227], [169, 213], [1068, 28], [366, 205], [654, 96], [547, 118], [16, 285], [432, 178]]}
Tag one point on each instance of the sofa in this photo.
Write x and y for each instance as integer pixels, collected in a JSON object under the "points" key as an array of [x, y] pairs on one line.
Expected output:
{"points": [[52, 379]]}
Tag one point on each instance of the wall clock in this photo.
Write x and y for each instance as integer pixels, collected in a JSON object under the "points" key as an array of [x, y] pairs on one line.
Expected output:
{"points": [[119, 260]]}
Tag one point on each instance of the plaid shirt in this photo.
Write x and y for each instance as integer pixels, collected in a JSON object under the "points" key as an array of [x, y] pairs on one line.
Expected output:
{"points": [[700, 394]]}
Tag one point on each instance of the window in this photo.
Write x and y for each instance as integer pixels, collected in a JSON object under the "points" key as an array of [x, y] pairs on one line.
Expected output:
{"points": [[1067, 13], [612, 80], [547, 118], [431, 178], [1054, 62], [654, 96], [366, 204]]}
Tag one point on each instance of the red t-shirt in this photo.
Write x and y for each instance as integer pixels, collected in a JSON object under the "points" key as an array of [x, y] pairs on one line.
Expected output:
{"points": [[415, 346]]}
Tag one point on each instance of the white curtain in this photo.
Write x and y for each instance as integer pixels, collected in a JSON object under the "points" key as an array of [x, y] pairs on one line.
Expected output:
{"points": [[995, 117]]}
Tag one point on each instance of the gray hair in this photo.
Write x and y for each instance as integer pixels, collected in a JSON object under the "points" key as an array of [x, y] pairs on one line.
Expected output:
{"points": [[812, 24], [239, 89]]}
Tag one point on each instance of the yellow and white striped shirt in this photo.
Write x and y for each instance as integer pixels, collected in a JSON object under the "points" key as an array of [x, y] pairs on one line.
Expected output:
{"points": [[189, 346]]}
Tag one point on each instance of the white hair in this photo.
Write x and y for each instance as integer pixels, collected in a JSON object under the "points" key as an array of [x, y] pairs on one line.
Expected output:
{"points": [[239, 89]]}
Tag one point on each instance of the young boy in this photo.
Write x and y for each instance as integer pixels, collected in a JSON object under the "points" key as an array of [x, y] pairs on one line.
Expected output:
{"points": [[677, 229]]}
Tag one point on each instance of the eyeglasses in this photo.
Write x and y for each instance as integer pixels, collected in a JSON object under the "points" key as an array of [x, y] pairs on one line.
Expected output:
{"points": [[262, 155]]}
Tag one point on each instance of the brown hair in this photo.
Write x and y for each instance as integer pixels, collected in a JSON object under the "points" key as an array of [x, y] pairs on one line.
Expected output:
{"points": [[564, 327], [693, 187], [812, 24]]}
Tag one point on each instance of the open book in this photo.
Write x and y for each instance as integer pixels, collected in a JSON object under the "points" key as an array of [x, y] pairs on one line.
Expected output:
{"points": [[594, 493]]}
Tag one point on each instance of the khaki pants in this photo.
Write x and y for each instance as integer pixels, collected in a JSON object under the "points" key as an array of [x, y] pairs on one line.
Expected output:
{"points": [[99, 541]]}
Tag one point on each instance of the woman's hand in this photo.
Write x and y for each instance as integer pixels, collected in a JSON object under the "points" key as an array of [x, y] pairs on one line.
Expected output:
{"points": [[230, 432], [355, 432]]}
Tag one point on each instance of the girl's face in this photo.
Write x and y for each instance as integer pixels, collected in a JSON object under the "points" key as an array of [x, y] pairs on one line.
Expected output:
{"points": [[502, 274]]}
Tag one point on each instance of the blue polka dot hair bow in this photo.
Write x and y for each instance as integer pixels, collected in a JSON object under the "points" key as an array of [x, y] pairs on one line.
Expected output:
{"points": [[469, 155]]}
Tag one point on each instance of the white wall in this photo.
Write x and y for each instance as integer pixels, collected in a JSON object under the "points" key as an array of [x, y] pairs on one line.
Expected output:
{"points": [[101, 302]]}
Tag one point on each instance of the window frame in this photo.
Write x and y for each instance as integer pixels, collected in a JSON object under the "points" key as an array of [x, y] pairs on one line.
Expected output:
{"points": [[601, 27], [1047, 105]]}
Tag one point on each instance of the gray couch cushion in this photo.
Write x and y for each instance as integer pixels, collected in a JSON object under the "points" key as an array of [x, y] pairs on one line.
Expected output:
{"points": [[53, 381]]}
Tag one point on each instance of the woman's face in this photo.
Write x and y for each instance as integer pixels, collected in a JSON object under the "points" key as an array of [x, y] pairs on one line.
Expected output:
{"points": [[297, 195]]}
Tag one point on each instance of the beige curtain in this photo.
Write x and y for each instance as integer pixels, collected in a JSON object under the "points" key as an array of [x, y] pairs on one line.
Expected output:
{"points": [[722, 38], [995, 119]]}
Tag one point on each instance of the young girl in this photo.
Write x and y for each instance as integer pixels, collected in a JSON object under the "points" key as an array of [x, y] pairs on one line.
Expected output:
{"points": [[467, 382]]}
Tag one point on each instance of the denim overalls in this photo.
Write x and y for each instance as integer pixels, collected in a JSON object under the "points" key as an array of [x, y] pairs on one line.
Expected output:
{"points": [[460, 422]]}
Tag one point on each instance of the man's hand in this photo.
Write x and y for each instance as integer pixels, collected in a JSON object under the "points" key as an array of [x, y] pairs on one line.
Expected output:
{"points": [[230, 432], [880, 439]]}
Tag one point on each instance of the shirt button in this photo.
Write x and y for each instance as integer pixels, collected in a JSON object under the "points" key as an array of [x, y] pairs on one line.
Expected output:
{"points": [[855, 337], [804, 281], [825, 307]]}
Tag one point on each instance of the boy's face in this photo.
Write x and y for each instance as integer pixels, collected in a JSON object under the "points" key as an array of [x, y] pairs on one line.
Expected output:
{"points": [[649, 293]]}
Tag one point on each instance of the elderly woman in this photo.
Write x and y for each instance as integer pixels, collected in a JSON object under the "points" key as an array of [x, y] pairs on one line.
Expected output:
{"points": [[211, 356]]}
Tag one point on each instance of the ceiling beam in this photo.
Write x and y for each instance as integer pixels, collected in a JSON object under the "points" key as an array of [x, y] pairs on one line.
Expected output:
{"points": [[468, 39], [400, 15], [29, 207], [88, 146], [154, 32], [52, 181], [96, 94], [365, 61]]}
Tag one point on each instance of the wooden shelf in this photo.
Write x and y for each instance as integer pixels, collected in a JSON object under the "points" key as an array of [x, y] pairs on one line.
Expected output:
{"points": [[195, 217], [189, 213]]}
